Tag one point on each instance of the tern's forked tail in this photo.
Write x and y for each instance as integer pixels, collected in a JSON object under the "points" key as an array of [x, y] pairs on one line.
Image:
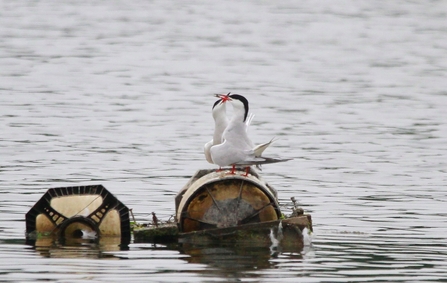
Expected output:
{"points": [[259, 149]]}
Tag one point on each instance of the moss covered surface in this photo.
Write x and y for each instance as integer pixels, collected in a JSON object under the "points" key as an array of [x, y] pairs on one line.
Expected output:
{"points": [[163, 234], [257, 234]]}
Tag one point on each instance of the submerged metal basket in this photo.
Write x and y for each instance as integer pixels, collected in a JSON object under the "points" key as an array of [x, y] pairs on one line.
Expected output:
{"points": [[70, 211]]}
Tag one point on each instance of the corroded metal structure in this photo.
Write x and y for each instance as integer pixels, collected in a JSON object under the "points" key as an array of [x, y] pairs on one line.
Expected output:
{"points": [[71, 212], [213, 199]]}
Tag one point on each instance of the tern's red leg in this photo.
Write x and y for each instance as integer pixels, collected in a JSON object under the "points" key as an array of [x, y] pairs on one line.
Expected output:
{"points": [[247, 169], [233, 170]]}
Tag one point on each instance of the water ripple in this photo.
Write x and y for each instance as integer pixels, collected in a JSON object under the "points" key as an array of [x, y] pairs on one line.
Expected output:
{"points": [[120, 93]]}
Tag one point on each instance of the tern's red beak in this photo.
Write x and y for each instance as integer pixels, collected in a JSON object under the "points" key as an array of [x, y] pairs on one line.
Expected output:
{"points": [[224, 97]]}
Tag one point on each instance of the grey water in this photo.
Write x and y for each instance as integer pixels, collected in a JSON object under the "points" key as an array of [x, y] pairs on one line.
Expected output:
{"points": [[119, 93]]}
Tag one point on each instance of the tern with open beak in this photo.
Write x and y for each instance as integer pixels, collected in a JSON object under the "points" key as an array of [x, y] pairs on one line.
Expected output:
{"points": [[220, 124], [236, 147]]}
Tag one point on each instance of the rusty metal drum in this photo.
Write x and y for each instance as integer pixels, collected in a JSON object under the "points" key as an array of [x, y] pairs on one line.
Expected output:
{"points": [[219, 200]]}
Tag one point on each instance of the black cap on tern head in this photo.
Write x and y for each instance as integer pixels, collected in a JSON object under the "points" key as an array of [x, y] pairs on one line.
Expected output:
{"points": [[215, 103], [243, 100]]}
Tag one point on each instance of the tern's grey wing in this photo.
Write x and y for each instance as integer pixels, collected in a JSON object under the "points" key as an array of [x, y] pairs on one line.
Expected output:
{"points": [[261, 160], [227, 153], [236, 134]]}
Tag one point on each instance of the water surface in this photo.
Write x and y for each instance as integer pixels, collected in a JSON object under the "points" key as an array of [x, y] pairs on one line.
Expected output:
{"points": [[119, 93]]}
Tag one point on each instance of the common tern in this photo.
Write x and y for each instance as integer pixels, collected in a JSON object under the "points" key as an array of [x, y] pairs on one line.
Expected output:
{"points": [[221, 123], [236, 147]]}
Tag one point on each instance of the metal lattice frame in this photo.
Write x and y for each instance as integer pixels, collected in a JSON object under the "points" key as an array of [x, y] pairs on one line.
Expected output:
{"points": [[43, 206]]}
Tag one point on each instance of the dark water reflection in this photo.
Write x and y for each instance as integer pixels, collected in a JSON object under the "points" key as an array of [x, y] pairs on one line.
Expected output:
{"points": [[356, 257], [230, 257]]}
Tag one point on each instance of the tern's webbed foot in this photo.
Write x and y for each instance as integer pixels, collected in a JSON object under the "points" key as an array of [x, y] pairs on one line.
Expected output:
{"points": [[233, 170]]}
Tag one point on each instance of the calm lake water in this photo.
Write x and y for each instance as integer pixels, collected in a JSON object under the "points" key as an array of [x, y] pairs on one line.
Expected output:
{"points": [[119, 93]]}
